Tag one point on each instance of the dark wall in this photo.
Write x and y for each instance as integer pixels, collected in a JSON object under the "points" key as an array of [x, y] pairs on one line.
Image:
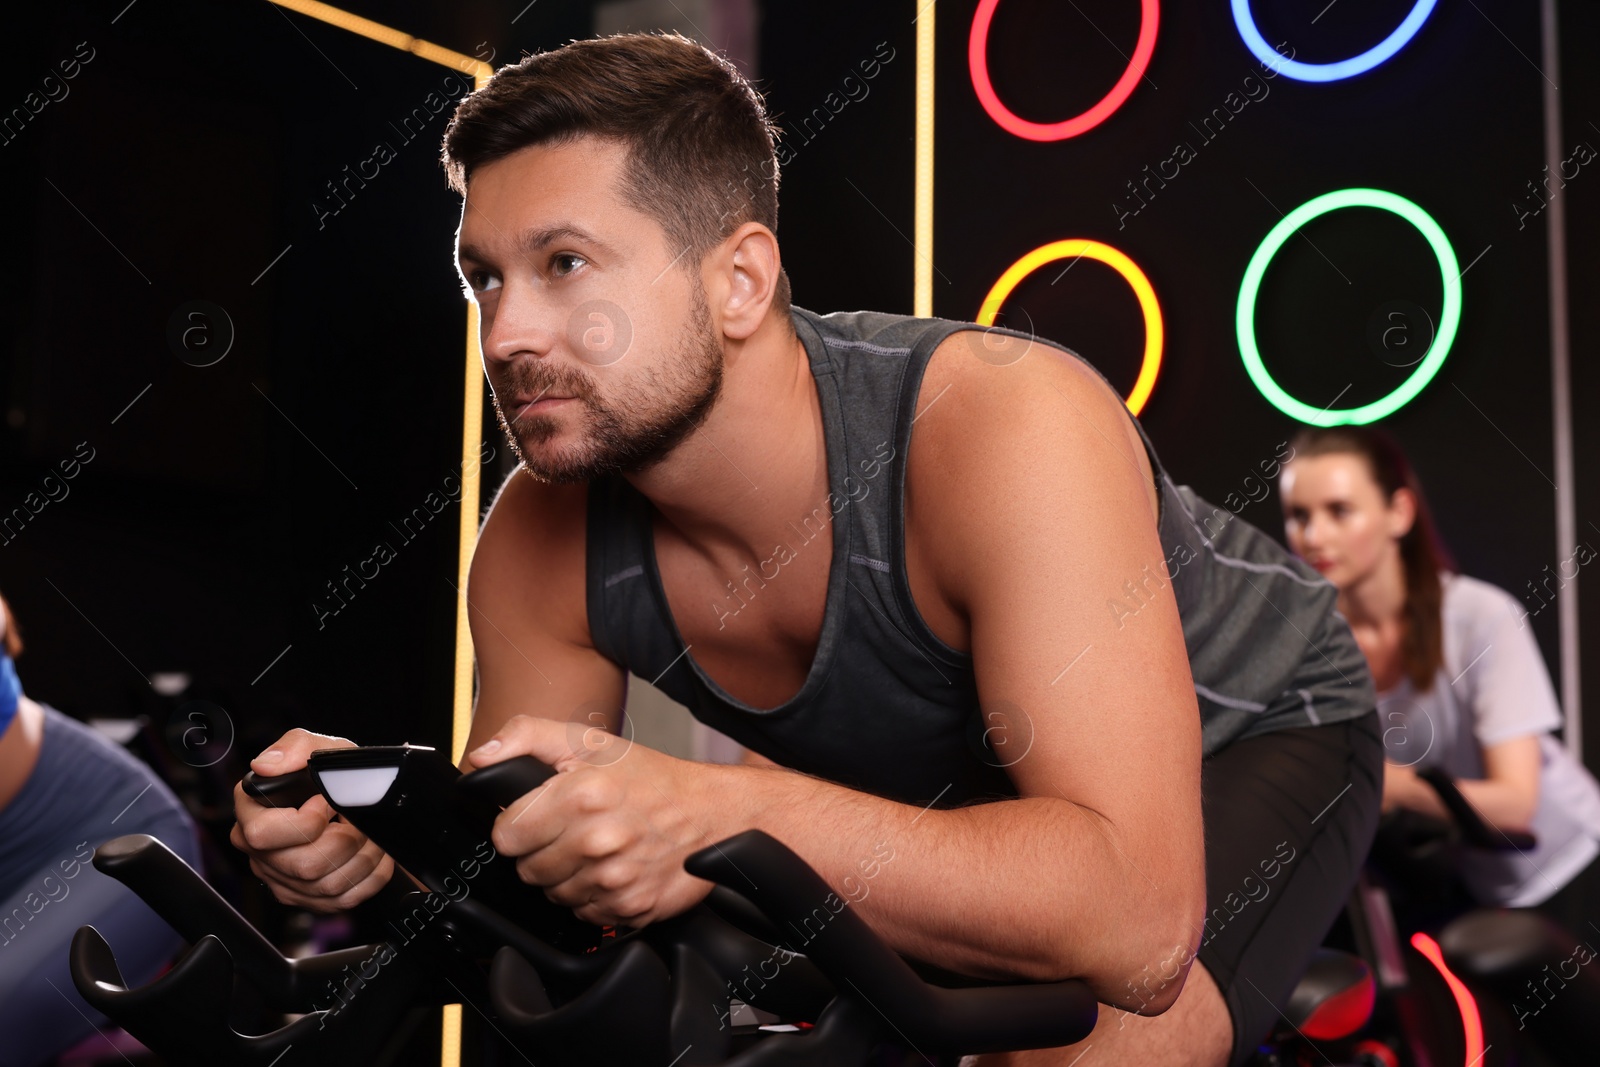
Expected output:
{"points": [[190, 159], [1453, 123], [845, 215]]}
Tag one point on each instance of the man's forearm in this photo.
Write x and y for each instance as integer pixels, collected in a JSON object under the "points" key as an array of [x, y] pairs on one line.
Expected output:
{"points": [[1036, 887]]}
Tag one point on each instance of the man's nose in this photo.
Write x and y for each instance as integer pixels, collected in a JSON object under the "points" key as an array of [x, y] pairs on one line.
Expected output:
{"points": [[522, 325]]}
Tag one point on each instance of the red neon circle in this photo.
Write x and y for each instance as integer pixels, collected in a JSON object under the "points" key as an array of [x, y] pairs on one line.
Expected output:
{"points": [[978, 62]]}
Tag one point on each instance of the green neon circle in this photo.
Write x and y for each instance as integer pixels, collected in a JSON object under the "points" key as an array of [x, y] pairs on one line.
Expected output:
{"points": [[1449, 318]]}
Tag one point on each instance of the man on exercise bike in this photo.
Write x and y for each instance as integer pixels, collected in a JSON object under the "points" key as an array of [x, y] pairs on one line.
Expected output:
{"points": [[1052, 715]]}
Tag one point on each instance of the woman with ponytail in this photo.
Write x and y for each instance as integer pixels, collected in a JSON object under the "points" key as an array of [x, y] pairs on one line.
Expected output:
{"points": [[1461, 684]]}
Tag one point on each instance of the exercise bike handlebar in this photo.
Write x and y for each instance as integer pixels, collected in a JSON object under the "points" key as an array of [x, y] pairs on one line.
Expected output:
{"points": [[1475, 830], [195, 910], [501, 784], [875, 994], [791, 894]]}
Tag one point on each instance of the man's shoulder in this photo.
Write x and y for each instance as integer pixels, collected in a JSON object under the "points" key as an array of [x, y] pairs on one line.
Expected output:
{"points": [[528, 517], [1007, 406], [877, 329], [957, 346], [993, 373], [540, 502], [528, 565]]}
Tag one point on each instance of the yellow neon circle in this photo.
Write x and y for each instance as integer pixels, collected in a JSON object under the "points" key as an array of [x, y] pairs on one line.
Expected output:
{"points": [[1104, 253]]}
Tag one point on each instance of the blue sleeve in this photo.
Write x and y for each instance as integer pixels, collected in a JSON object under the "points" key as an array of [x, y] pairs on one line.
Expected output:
{"points": [[10, 691]]}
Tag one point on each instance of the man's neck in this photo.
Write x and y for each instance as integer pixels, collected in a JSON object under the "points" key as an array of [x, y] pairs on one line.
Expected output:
{"points": [[757, 462]]}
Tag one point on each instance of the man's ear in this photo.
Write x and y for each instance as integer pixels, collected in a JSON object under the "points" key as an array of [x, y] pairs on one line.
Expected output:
{"points": [[750, 267]]}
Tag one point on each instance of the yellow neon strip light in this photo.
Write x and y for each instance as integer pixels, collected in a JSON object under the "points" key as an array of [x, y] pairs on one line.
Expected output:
{"points": [[922, 212], [450, 1037], [471, 462], [471, 475], [394, 38], [1154, 335], [471, 428]]}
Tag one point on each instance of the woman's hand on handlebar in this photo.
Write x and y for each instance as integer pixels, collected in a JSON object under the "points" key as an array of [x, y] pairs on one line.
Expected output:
{"points": [[302, 854], [1399, 785]]}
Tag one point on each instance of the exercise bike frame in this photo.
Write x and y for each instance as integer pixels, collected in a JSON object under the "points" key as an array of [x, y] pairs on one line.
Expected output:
{"points": [[552, 985]]}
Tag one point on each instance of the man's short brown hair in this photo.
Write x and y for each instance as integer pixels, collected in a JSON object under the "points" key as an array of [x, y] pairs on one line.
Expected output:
{"points": [[701, 155]]}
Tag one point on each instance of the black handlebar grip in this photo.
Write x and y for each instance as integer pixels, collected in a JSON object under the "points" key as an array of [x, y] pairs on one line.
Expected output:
{"points": [[190, 906], [1520, 840], [282, 790], [849, 952], [504, 783], [1474, 828]]}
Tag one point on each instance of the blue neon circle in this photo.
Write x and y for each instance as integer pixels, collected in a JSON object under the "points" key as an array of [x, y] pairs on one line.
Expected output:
{"points": [[1329, 72]]}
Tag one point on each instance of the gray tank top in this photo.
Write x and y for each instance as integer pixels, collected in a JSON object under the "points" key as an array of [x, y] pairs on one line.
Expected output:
{"points": [[887, 707]]}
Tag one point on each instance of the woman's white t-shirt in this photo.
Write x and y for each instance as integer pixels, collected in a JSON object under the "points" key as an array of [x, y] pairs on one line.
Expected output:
{"points": [[1494, 687]]}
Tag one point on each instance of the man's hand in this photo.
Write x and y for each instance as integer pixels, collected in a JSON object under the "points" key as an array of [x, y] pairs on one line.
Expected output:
{"points": [[608, 834], [307, 859]]}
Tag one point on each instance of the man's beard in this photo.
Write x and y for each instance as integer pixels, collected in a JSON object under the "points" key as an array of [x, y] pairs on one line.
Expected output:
{"points": [[622, 436]]}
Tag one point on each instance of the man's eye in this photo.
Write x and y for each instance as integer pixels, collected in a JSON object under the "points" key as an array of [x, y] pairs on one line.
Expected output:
{"points": [[482, 280], [565, 263]]}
